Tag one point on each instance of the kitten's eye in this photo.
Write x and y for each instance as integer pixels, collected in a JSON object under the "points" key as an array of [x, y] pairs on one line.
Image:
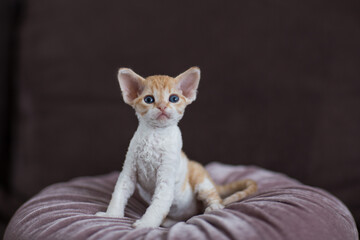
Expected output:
{"points": [[174, 98], [149, 99]]}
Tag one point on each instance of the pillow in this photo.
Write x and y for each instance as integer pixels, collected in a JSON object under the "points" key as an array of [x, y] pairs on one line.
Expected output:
{"points": [[282, 208]]}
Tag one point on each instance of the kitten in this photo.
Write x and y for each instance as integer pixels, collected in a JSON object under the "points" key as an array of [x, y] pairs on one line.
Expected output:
{"points": [[155, 162]]}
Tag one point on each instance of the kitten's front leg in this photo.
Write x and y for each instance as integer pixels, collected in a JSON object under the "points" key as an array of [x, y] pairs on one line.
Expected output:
{"points": [[124, 188], [162, 199]]}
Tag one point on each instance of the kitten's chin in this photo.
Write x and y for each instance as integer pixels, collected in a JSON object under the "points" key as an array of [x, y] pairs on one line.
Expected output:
{"points": [[160, 120], [162, 124], [164, 121]]}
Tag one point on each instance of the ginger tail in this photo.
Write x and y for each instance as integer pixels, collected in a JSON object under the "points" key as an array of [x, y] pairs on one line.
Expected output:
{"points": [[236, 191]]}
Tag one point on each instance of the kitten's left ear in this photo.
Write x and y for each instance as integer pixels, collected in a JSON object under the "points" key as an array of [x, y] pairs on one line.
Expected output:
{"points": [[188, 83]]}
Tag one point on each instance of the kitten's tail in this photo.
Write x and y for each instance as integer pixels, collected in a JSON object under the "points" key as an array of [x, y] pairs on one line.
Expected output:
{"points": [[236, 191]]}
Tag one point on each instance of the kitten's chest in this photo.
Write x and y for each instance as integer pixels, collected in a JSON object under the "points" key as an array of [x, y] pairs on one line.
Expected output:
{"points": [[148, 155], [150, 149]]}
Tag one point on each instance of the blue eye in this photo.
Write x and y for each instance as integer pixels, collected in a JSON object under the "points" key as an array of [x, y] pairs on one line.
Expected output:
{"points": [[174, 98], [149, 99]]}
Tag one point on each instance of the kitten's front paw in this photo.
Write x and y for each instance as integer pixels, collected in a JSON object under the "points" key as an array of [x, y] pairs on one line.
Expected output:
{"points": [[143, 224], [214, 206], [100, 214], [109, 214]]}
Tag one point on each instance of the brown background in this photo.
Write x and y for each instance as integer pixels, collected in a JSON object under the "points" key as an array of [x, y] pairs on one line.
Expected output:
{"points": [[280, 87]]}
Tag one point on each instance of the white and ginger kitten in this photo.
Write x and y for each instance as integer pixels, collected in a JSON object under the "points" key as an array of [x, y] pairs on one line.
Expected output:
{"points": [[155, 163]]}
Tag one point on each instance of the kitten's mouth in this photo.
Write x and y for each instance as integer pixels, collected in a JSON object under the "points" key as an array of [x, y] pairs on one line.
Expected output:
{"points": [[163, 116]]}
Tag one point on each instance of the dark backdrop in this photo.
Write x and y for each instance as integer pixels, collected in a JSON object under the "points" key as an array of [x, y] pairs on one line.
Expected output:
{"points": [[280, 87]]}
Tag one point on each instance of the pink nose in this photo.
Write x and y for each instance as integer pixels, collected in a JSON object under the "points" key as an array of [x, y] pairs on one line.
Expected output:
{"points": [[162, 107]]}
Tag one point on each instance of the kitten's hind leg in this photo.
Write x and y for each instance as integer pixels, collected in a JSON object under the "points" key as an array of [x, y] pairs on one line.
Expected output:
{"points": [[204, 187], [206, 192]]}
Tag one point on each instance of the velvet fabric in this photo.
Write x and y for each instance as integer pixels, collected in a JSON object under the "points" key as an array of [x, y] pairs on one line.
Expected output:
{"points": [[282, 208]]}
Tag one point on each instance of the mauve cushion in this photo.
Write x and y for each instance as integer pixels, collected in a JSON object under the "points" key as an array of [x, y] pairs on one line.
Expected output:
{"points": [[282, 208]]}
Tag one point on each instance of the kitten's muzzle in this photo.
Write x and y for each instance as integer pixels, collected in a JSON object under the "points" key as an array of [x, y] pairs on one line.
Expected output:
{"points": [[162, 115]]}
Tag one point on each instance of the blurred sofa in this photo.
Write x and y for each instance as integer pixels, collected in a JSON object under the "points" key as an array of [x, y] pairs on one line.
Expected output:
{"points": [[280, 87]]}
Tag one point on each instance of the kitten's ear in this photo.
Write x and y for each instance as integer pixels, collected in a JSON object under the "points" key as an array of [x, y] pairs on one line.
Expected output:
{"points": [[188, 83], [131, 84]]}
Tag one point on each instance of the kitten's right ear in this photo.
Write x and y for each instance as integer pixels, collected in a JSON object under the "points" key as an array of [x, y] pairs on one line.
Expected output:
{"points": [[131, 84]]}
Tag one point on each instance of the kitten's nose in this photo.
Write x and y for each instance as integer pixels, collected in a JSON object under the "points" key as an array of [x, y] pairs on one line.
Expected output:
{"points": [[162, 107]]}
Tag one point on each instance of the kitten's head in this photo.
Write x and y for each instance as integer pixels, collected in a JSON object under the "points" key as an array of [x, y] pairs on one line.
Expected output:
{"points": [[159, 100]]}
